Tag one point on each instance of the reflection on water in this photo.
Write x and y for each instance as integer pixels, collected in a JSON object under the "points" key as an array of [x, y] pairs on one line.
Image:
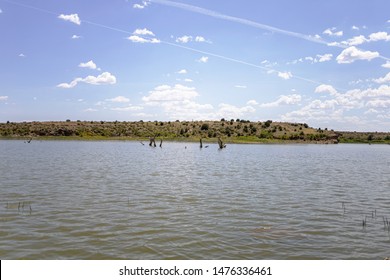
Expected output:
{"points": [[122, 200]]}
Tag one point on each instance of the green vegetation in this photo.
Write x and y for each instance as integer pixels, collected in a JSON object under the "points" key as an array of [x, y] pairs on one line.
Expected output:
{"points": [[233, 131]]}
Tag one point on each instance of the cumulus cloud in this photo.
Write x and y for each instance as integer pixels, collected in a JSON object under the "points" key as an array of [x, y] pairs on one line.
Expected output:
{"points": [[90, 64], [200, 39], [283, 100], [171, 93], [203, 59], [373, 37], [74, 18], [346, 108], [143, 32], [285, 75], [326, 88], [386, 65], [143, 36], [355, 41], [187, 38], [141, 6], [385, 79], [128, 108], [138, 39], [232, 112], [332, 32], [76, 37], [184, 39], [252, 102], [182, 71], [90, 110], [352, 54], [105, 78], [379, 36], [119, 99], [178, 102], [3, 98]]}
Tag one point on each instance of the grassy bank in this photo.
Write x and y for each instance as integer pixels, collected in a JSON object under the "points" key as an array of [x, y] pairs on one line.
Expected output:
{"points": [[231, 131]]}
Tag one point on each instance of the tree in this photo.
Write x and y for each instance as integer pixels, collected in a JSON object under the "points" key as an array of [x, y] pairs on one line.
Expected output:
{"points": [[204, 126]]}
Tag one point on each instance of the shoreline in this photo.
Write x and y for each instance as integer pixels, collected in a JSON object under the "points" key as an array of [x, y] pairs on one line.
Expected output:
{"points": [[233, 131], [188, 140]]}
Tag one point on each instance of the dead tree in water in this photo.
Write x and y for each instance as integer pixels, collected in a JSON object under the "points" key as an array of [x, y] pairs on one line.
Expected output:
{"points": [[152, 142], [161, 144], [201, 144], [221, 144]]}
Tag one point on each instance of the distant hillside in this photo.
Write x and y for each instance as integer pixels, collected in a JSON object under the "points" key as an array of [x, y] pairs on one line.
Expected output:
{"points": [[229, 130]]}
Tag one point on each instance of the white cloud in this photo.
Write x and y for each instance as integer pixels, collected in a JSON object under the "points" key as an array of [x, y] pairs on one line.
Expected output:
{"points": [[285, 75], [1, 11], [3, 98], [385, 79], [76, 37], [325, 57], [354, 27], [138, 39], [379, 36], [203, 59], [182, 71], [326, 88], [283, 100], [378, 103], [74, 18], [105, 78], [90, 64], [373, 37], [144, 31], [188, 80], [386, 65], [200, 39], [333, 32], [355, 41], [187, 38], [228, 111], [22, 55], [141, 6], [352, 54], [128, 108], [169, 93], [184, 39], [178, 102], [90, 110], [231, 112], [347, 109], [240, 86], [119, 99], [252, 102], [138, 6]]}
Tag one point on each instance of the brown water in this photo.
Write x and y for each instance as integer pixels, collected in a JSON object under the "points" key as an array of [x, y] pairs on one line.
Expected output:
{"points": [[122, 200]]}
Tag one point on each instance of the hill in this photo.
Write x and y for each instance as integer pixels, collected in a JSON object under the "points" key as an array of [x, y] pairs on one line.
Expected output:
{"points": [[236, 131]]}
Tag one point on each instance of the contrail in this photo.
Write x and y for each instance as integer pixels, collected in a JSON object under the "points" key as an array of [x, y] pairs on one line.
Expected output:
{"points": [[173, 44], [210, 13], [254, 24], [238, 61]]}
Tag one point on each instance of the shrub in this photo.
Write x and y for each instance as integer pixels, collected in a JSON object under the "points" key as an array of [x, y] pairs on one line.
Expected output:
{"points": [[204, 126]]}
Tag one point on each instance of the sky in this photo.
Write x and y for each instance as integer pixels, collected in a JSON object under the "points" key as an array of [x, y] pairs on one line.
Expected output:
{"points": [[324, 63]]}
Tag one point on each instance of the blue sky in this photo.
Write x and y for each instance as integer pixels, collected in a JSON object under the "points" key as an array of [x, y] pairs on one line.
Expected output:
{"points": [[325, 63]]}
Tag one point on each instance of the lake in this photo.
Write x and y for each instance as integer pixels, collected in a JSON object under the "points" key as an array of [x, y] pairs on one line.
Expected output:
{"points": [[125, 200]]}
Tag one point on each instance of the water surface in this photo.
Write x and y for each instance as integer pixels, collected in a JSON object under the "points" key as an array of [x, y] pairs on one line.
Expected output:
{"points": [[123, 200]]}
